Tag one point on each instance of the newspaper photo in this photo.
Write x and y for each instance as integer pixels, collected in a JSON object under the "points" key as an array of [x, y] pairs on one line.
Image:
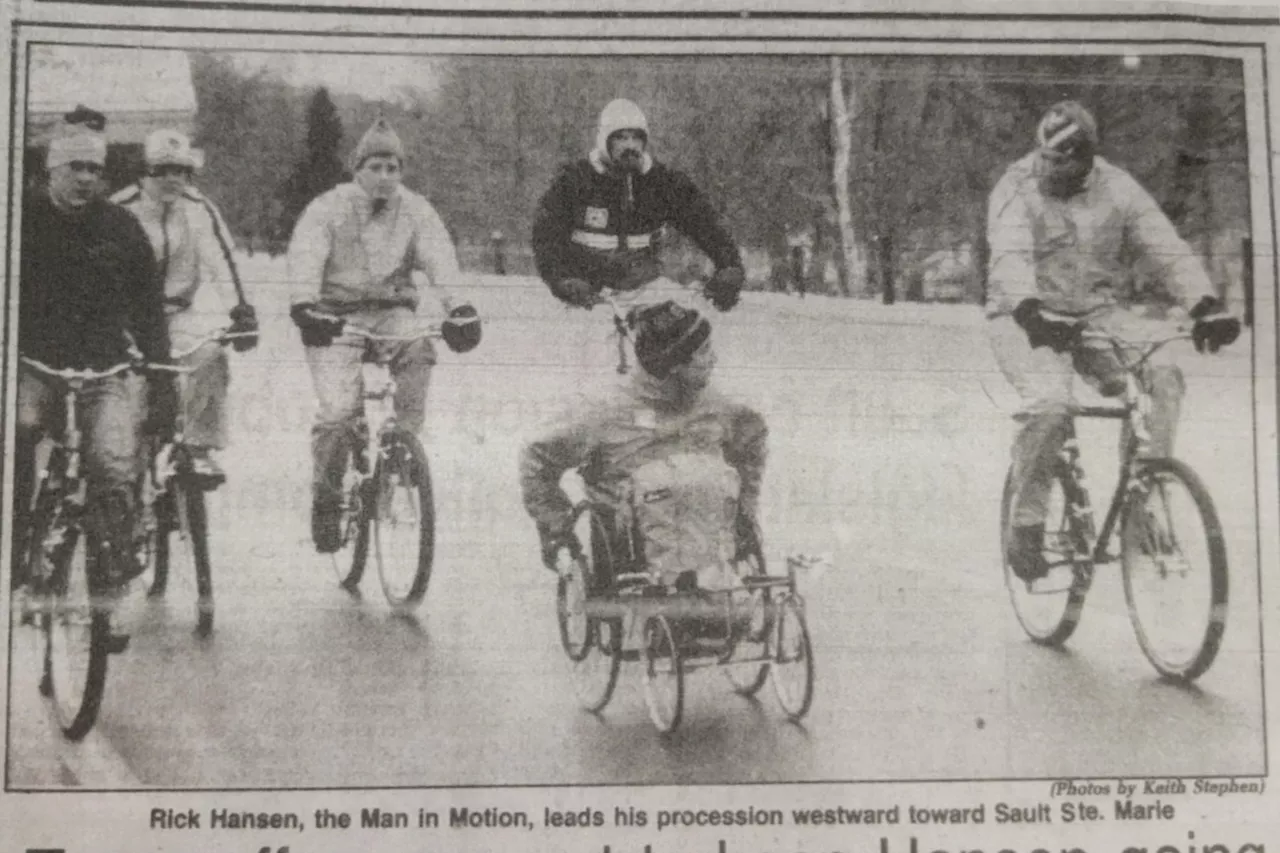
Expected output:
{"points": [[639, 428]]}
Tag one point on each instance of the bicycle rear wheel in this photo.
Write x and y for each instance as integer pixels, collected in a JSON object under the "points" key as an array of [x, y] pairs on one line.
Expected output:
{"points": [[792, 669], [75, 620], [1174, 560], [182, 514], [356, 512], [403, 519], [1049, 609]]}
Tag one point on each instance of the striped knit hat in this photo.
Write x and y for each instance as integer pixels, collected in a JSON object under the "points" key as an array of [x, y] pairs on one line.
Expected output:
{"points": [[1068, 128], [667, 336]]}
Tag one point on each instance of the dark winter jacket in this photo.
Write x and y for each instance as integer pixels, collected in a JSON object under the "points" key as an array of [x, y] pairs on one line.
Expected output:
{"points": [[87, 277], [601, 226]]}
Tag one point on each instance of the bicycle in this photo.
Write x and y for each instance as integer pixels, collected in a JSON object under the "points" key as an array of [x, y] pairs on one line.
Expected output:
{"points": [[1153, 556], [611, 609], [624, 320], [386, 490], [171, 500], [63, 549]]}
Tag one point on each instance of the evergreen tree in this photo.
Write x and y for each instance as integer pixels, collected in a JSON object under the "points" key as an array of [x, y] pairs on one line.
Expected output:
{"points": [[321, 168]]}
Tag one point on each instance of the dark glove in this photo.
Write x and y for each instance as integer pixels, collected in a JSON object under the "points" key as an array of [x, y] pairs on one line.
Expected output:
{"points": [[316, 331], [244, 321], [1058, 333], [576, 292], [1214, 328], [461, 330], [162, 404], [553, 540], [724, 287]]}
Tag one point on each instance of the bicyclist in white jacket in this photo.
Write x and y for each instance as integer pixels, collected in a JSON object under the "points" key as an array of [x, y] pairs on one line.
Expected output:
{"points": [[365, 251], [1065, 228], [665, 409]]}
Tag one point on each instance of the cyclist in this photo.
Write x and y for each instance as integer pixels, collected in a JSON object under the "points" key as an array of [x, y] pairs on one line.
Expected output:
{"points": [[1065, 227], [663, 450], [87, 285], [193, 249], [365, 251], [597, 226]]}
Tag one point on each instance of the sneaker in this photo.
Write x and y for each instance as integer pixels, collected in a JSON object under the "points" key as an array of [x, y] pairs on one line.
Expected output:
{"points": [[326, 524], [1026, 552], [205, 467]]}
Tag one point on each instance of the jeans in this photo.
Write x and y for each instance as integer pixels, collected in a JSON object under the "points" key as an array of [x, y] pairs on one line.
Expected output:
{"points": [[204, 396], [339, 385], [108, 414], [1044, 378]]}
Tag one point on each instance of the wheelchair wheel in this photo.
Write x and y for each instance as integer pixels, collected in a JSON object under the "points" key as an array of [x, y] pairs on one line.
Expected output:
{"points": [[595, 674], [1174, 562], [663, 674], [792, 667], [756, 610], [403, 519], [1049, 609]]}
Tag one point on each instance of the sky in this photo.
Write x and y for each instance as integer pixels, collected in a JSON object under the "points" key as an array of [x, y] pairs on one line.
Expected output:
{"points": [[375, 78]]}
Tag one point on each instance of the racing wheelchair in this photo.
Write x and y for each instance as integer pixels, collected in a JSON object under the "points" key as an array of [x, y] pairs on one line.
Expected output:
{"points": [[611, 608]]}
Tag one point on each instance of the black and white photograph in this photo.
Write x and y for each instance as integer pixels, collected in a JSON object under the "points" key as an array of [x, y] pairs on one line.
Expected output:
{"points": [[668, 410]]}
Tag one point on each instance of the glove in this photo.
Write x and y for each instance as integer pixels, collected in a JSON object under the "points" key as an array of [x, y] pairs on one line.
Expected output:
{"points": [[244, 320], [316, 331], [461, 330], [1214, 328], [162, 405], [576, 292], [553, 540], [724, 287], [1059, 334]]}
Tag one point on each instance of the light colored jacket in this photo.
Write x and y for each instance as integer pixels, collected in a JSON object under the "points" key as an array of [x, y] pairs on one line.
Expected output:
{"points": [[1076, 253], [193, 252], [613, 436], [343, 256]]}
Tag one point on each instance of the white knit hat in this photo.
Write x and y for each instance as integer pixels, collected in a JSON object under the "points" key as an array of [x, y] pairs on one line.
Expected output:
{"points": [[171, 148]]}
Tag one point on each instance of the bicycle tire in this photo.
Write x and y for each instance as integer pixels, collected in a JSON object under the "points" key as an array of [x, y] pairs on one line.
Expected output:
{"points": [[1057, 627], [191, 494], [160, 554], [401, 447], [746, 678], [350, 559], [78, 718], [659, 644], [1210, 640]]}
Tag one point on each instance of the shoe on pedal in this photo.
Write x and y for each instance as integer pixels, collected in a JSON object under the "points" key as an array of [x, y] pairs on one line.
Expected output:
{"points": [[1026, 552], [326, 524], [206, 469]]}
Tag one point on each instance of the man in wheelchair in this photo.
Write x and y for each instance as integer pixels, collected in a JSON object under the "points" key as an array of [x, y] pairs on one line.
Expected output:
{"points": [[678, 465]]}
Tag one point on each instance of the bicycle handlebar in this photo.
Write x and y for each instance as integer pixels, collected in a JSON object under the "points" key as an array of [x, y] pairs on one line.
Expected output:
{"points": [[434, 331], [69, 373], [1147, 348]]}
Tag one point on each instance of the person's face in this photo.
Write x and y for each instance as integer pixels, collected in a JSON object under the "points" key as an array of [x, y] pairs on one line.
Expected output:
{"points": [[626, 149], [1063, 173], [167, 182], [379, 175], [73, 185]]}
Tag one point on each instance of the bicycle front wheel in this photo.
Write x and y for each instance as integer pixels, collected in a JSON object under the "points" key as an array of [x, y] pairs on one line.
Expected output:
{"points": [[76, 622], [1174, 560], [403, 519], [354, 517], [1049, 608], [792, 670]]}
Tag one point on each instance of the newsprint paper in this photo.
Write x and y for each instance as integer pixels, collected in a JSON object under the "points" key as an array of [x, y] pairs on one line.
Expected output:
{"points": [[724, 427]]}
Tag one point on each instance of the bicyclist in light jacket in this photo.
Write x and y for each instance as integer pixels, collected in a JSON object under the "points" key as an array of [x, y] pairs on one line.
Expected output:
{"points": [[665, 408], [597, 226], [364, 252], [193, 248], [1065, 228]]}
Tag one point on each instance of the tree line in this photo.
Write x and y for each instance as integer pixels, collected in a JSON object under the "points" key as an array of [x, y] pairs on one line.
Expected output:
{"points": [[884, 162]]}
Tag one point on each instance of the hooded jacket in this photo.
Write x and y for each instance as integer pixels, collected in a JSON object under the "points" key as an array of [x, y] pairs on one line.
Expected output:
{"points": [[194, 254], [600, 225], [634, 424], [1076, 253]]}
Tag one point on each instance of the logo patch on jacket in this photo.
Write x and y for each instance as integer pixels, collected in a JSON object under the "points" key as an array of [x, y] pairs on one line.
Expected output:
{"points": [[596, 217]]}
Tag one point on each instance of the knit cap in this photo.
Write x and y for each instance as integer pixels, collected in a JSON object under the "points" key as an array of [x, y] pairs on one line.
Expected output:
{"points": [[378, 141], [620, 115], [80, 138], [1067, 128], [667, 336]]}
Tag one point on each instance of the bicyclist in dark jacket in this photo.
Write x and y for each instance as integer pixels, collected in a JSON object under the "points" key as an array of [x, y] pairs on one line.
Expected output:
{"points": [[1065, 227], [87, 280], [597, 226]]}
